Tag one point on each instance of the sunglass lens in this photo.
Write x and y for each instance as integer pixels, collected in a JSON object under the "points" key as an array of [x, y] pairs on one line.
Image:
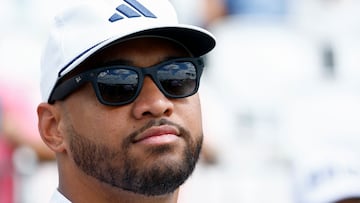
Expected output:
{"points": [[117, 85], [178, 79]]}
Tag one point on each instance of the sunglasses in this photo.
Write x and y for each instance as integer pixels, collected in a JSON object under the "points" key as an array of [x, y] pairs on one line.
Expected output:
{"points": [[116, 85]]}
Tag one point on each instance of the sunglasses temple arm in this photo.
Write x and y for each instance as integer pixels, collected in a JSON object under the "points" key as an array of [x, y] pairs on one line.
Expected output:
{"points": [[62, 90]]}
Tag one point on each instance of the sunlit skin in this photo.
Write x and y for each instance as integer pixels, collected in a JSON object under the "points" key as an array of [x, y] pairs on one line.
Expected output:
{"points": [[110, 127]]}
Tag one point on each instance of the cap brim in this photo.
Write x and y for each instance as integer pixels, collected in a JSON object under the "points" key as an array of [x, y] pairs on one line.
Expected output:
{"points": [[197, 40]]}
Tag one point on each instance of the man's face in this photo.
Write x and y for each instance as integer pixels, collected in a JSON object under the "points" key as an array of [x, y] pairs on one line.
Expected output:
{"points": [[149, 146]]}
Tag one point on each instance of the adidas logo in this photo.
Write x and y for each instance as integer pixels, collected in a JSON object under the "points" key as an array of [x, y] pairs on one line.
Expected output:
{"points": [[132, 10]]}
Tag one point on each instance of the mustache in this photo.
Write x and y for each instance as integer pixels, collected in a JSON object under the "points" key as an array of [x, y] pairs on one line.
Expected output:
{"points": [[153, 123]]}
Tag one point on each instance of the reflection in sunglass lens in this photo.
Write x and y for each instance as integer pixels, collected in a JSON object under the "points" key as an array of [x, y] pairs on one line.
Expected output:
{"points": [[117, 85], [178, 79]]}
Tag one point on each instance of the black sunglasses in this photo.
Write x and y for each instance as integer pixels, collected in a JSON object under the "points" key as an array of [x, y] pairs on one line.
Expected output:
{"points": [[120, 84]]}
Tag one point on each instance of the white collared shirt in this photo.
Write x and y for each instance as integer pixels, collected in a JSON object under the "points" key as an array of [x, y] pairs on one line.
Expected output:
{"points": [[57, 197]]}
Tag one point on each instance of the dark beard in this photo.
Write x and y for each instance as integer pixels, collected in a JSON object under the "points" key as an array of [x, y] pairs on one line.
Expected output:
{"points": [[119, 169]]}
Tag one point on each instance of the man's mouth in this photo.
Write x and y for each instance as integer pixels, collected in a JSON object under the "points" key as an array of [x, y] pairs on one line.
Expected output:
{"points": [[162, 134]]}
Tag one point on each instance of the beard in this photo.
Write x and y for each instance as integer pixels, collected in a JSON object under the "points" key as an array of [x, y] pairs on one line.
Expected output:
{"points": [[119, 169]]}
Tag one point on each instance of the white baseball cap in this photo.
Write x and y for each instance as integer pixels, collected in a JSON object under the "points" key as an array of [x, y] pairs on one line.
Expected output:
{"points": [[87, 26]]}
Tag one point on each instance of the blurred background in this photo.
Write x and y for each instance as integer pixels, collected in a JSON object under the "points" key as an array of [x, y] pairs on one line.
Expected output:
{"points": [[280, 96]]}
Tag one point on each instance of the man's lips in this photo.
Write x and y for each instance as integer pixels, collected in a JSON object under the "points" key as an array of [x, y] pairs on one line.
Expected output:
{"points": [[163, 133]]}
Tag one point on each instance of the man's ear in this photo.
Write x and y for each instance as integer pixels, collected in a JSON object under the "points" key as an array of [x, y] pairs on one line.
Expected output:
{"points": [[48, 124]]}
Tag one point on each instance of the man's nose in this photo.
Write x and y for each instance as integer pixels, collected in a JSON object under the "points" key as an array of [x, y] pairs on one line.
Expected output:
{"points": [[151, 101]]}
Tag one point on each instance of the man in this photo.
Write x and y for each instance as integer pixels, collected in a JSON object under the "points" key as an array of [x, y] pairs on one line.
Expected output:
{"points": [[120, 105]]}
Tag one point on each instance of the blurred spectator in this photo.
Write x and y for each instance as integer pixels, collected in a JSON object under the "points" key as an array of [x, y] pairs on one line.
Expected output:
{"points": [[273, 8], [18, 136], [255, 10], [213, 10], [200, 12], [18, 125], [206, 12], [6, 169]]}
